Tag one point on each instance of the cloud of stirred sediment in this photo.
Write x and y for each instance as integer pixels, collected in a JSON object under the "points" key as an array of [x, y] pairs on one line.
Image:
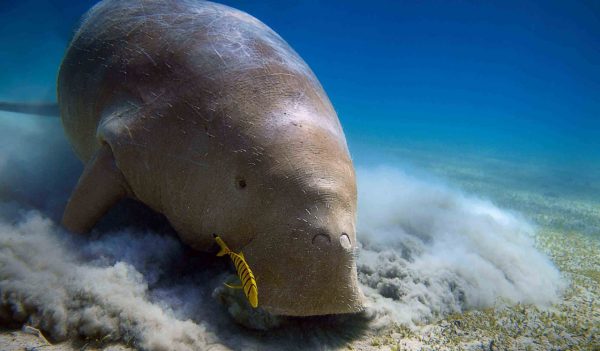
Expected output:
{"points": [[429, 250], [426, 251]]}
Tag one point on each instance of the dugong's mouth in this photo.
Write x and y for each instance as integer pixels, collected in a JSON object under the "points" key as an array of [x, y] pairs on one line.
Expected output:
{"points": [[290, 303], [296, 282]]}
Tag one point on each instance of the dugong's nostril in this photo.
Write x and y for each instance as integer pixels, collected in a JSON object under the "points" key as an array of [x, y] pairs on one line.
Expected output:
{"points": [[345, 241], [321, 239]]}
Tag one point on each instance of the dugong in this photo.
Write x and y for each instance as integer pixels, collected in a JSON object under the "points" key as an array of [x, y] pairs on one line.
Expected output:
{"points": [[206, 115]]}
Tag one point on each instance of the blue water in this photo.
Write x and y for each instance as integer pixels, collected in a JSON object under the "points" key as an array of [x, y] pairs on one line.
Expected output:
{"points": [[506, 88]]}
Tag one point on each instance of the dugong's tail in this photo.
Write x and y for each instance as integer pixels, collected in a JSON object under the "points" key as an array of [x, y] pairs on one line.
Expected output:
{"points": [[33, 108]]}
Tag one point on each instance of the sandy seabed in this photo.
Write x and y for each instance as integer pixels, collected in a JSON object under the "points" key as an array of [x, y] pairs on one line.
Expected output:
{"points": [[572, 324]]}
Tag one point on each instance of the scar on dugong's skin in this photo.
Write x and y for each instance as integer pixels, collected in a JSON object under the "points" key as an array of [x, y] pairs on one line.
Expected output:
{"points": [[206, 115]]}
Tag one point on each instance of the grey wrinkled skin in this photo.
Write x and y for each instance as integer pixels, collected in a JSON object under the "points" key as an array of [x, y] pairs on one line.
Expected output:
{"points": [[207, 116]]}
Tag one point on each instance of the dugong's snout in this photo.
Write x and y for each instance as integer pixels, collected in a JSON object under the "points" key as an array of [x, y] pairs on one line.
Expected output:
{"points": [[312, 276]]}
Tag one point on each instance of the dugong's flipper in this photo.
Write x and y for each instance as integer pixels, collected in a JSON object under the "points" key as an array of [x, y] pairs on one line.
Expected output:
{"points": [[100, 187]]}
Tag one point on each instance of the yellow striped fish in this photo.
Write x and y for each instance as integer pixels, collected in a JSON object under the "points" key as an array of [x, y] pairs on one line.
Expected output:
{"points": [[243, 271]]}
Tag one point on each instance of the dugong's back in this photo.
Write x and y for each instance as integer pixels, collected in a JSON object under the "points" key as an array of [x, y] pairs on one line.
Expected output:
{"points": [[147, 53]]}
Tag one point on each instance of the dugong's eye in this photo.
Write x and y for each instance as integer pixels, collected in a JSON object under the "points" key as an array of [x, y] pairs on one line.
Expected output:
{"points": [[321, 239], [240, 182]]}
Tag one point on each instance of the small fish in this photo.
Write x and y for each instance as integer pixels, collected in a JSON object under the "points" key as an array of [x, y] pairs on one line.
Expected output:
{"points": [[243, 270]]}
